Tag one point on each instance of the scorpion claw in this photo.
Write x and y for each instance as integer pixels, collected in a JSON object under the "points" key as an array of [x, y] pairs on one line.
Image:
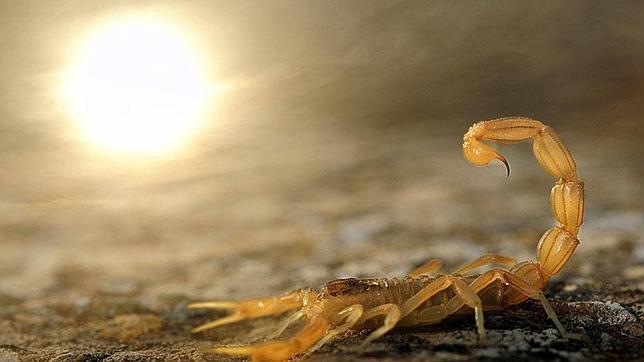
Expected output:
{"points": [[270, 351], [233, 350], [249, 309], [212, 305], [219, 322]]}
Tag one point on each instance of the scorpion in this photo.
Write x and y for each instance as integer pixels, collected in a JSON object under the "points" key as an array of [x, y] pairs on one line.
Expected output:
{"points": [[424, 296]]}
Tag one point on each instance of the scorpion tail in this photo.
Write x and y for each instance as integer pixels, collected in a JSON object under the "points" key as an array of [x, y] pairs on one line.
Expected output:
{"points": [[567, 196], [281, 350]]}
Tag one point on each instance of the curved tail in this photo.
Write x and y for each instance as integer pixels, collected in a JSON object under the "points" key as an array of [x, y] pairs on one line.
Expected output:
{"points": [[567, 196]]}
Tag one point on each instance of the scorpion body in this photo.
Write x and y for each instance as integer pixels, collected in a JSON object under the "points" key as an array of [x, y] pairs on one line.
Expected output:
{"points": [[376, 292], [424, 296]]}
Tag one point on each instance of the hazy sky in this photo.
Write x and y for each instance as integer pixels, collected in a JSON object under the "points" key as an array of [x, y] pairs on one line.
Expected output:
{"points": [[314, 64], [331, 121]]}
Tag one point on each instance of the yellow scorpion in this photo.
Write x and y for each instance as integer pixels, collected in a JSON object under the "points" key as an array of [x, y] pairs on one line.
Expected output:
{"points": [[423, 297]]}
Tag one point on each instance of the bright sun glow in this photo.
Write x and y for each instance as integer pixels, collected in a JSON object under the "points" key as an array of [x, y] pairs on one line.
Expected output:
{"points": [[136, 87]]}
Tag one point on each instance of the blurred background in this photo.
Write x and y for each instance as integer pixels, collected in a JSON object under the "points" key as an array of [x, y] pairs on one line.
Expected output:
{"points": [[209, 149]]}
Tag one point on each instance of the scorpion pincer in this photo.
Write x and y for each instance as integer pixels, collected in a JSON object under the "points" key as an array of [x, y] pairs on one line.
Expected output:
{"points": [[424, 296]]}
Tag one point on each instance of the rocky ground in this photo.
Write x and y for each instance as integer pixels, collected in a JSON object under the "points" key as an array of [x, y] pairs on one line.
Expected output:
{"points": [[108, 278]]}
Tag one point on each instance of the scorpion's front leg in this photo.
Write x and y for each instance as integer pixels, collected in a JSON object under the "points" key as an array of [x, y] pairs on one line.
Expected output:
{"points": [[252, 308], [392, 314], [351, 316]]}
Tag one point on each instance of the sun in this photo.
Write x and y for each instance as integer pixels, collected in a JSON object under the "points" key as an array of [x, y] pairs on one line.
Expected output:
{"points": [[136, 86]]}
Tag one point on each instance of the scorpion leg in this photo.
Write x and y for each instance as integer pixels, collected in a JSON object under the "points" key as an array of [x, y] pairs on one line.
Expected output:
{"points": [[485, 260], [469, 297], [392, 316], [352, 315], [489, 277], [431, 266], [441, 283], [461, 289], [430, 315], [290, 320], [252, 308]]}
